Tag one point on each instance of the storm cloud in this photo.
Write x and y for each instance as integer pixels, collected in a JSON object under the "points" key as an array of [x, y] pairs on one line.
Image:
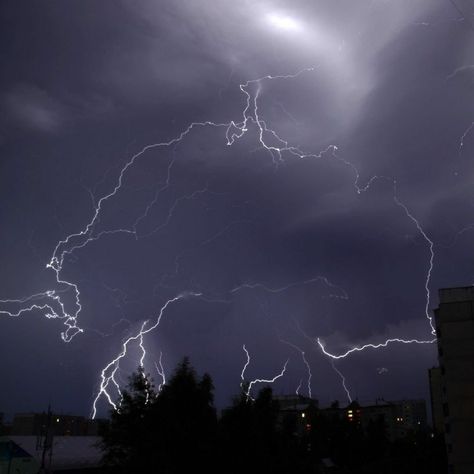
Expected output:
{"points": [[334, 244]]}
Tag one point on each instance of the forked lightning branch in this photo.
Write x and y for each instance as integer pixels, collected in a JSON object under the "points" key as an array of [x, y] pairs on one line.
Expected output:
{"points": [[52, 304]]}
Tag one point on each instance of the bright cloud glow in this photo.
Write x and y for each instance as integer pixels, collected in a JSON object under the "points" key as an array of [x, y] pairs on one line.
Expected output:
{"points": [[283, 22]]}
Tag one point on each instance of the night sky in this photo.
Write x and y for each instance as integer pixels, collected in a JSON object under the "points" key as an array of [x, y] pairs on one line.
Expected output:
{"points": [[271, 250]]}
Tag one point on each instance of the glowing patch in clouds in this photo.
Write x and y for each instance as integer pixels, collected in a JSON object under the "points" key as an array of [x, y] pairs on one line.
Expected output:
{"points": [[283, 22]]}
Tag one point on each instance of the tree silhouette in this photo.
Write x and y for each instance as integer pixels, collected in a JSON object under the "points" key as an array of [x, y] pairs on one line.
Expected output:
{"points": [[176, 431], [253, 437], [166, 432], [186, 421], [123, 438]]}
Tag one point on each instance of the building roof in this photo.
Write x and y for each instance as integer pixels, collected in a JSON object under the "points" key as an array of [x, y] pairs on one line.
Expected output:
{"points": [[455, 295], [69, 452]]}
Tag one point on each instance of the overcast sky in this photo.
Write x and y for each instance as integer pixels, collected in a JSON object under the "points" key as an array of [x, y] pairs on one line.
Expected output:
{"points": [[332, 241]]}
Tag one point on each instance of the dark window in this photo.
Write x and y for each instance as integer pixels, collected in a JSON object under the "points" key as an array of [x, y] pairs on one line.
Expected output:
{"points": [[445, 409]]}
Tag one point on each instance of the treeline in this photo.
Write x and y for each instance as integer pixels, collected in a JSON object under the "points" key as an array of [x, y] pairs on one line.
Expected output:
{"points": [[177, 430]]}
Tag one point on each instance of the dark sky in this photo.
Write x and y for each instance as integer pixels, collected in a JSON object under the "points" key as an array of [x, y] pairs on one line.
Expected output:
{"points": [[278, 249]]}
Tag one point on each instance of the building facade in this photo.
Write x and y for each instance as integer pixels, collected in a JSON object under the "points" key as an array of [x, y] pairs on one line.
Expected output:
{"points": [[455, 330], [436, 396]]}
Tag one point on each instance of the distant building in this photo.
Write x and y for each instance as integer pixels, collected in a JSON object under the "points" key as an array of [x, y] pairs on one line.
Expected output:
{"points": [[400, 418], [436, 395], [455, 330], [294, 410], [35, 424], [411, 416], [353, 414]]}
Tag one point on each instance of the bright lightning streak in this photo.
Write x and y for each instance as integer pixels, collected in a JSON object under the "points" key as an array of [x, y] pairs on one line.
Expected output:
{"points": [[142, 347], [298, 153], [161, 372], [341, 375], [245, 365], [50, 312], [371, 346], [343, 380], [109, 371], [47, 294], [306, 363], [253, 382], [334, 357], [274, 379], [251, 90], [431, 261], [298, 388], [234, 130]]}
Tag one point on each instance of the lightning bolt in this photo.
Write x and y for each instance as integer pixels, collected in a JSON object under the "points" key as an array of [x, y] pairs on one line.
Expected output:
{"points": [[272, 380], [306, 363], [50, 301], [431, 260], [371, 346], [339, 373], [463, 137], [254, 381], [108, 373], [161, 372], [298, 388], [343, 381], [245, 365]]}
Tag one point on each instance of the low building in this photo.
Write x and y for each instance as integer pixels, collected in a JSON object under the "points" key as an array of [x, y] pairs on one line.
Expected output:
{"points": [[14, 459], [24, 454]]}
